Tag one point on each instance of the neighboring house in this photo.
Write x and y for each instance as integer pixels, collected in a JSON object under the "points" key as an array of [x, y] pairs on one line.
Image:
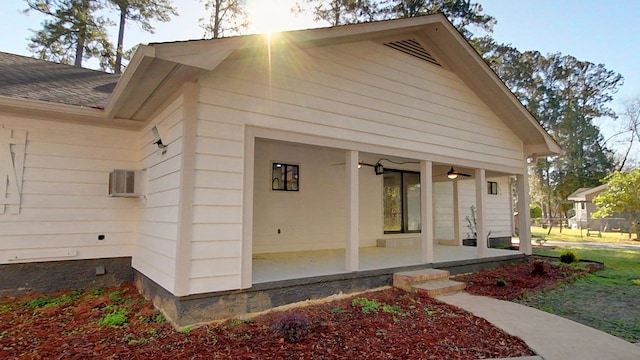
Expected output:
{"points": [[264, 170], [583, 206]]}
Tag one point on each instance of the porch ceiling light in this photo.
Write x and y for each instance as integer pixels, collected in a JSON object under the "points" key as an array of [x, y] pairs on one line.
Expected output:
{"points": [[453, 174]]}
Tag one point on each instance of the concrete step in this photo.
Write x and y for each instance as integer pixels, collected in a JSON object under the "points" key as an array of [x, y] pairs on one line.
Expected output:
{"points": [[438, 287], [404, 280]]}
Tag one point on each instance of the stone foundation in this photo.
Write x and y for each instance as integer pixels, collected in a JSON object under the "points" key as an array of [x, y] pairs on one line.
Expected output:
{"points": [[202, 308], [53, 276]]}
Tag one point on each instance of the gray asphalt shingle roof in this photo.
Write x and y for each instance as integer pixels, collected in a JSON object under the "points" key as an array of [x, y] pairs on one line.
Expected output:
{"points": [[28, 78]]}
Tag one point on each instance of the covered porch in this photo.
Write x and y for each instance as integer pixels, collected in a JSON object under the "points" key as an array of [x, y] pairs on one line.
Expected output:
{"points": [[304, 264], [332, 216]]}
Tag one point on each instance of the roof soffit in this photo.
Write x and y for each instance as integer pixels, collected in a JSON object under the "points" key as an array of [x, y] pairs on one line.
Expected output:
{"points": [[168, 64]]}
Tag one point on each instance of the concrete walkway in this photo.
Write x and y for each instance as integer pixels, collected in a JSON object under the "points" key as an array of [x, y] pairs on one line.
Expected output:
{"points": [[550, 336]]}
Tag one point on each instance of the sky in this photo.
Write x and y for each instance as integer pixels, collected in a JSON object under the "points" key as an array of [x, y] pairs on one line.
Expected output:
{"points": [[602, 32]]}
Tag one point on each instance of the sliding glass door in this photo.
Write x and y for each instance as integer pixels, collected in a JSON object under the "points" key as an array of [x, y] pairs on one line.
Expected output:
{"points": [[401, 193]]}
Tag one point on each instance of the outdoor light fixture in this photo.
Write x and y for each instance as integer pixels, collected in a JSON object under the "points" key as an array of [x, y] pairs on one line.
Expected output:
{"points": [[453, 174], [379, 168], [159, 136]]}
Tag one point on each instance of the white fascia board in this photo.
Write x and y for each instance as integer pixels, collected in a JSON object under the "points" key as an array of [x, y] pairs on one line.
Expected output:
{"points": [[62, 112], [139, 62]]}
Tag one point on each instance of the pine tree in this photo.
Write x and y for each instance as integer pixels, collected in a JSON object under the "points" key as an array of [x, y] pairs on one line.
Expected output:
{"points": [[141, 12], [227, 17], [566, 95], [340, 12], [72, 33], [461, 13]]}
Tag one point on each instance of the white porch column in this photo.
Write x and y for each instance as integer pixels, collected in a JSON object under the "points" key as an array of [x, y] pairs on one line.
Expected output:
{"points": [[456, 215], [481, 217], [426, 206], [352, 210], [524, 230]]}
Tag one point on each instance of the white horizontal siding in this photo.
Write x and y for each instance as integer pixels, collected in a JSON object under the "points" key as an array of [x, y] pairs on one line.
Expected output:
{"points": [[344, 92], [498, 208], [155, 251], [312, 218], [65, 203], [217, 207], [443, 210]]}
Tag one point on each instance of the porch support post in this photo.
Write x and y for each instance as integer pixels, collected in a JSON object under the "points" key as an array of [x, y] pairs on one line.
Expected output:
{"points": [[426, 206], [353, 216], [456, 214], [481, 217], [524, 230]]}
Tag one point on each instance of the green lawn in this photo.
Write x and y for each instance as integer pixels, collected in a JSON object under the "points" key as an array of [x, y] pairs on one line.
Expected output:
{"points": [[608, 300], [577, 235]]}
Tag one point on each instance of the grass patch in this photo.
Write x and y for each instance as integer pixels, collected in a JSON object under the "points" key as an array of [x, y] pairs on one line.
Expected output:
{"points": [[575, 235], [605, 300]]}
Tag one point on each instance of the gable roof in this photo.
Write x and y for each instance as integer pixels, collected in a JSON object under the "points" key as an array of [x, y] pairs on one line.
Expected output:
{"points": [[584, 194], [34, 79], [157, 70]]}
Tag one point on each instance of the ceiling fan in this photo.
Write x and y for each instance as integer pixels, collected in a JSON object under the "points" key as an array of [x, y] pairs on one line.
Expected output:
{"points": [[453, 174]]}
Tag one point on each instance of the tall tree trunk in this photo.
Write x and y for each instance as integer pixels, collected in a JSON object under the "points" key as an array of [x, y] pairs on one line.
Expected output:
{"points": [[119, 49], [216, 21], [82, 35]]}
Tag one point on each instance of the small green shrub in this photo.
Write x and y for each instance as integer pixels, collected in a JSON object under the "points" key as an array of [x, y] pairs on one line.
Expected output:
{"points": [[395, 309], [568, 257], [114, 319], [159, 318], [115, 296], [367, 306], [185, 330], [38, 302], [337, 311], [292, 326], [98, 291], [501, 282]]}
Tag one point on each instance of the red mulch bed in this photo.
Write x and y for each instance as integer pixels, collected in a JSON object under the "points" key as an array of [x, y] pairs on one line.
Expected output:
{"points": [[404, 326], [521, 278]]}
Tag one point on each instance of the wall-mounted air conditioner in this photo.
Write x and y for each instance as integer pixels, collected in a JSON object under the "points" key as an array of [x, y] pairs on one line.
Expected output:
{"points": [[126, 183]]}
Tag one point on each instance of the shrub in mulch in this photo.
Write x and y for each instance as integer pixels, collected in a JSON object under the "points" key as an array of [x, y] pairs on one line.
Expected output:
{"points": [[536, 274], [117, 323]]}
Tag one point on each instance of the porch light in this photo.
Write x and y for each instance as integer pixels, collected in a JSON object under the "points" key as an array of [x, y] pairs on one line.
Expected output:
{"points": [[379, 168], [453, 174]]}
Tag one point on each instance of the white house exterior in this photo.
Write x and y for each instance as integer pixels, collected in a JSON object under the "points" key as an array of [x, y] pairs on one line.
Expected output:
{"points": [[325, 106], [583, 205]]}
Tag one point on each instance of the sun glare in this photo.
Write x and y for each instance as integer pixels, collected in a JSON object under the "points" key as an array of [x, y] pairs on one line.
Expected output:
{"points": [[269, 16]]}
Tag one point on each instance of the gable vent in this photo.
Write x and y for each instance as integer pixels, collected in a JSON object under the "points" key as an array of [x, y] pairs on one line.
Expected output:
{"points": [[413, 48]]}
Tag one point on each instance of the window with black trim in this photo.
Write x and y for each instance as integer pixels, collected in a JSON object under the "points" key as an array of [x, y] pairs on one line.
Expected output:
{"points": [[285, 177], [492, 188]]}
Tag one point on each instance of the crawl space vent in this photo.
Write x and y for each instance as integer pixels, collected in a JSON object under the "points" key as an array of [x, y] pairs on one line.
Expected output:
{"points": [[413, 48]]}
